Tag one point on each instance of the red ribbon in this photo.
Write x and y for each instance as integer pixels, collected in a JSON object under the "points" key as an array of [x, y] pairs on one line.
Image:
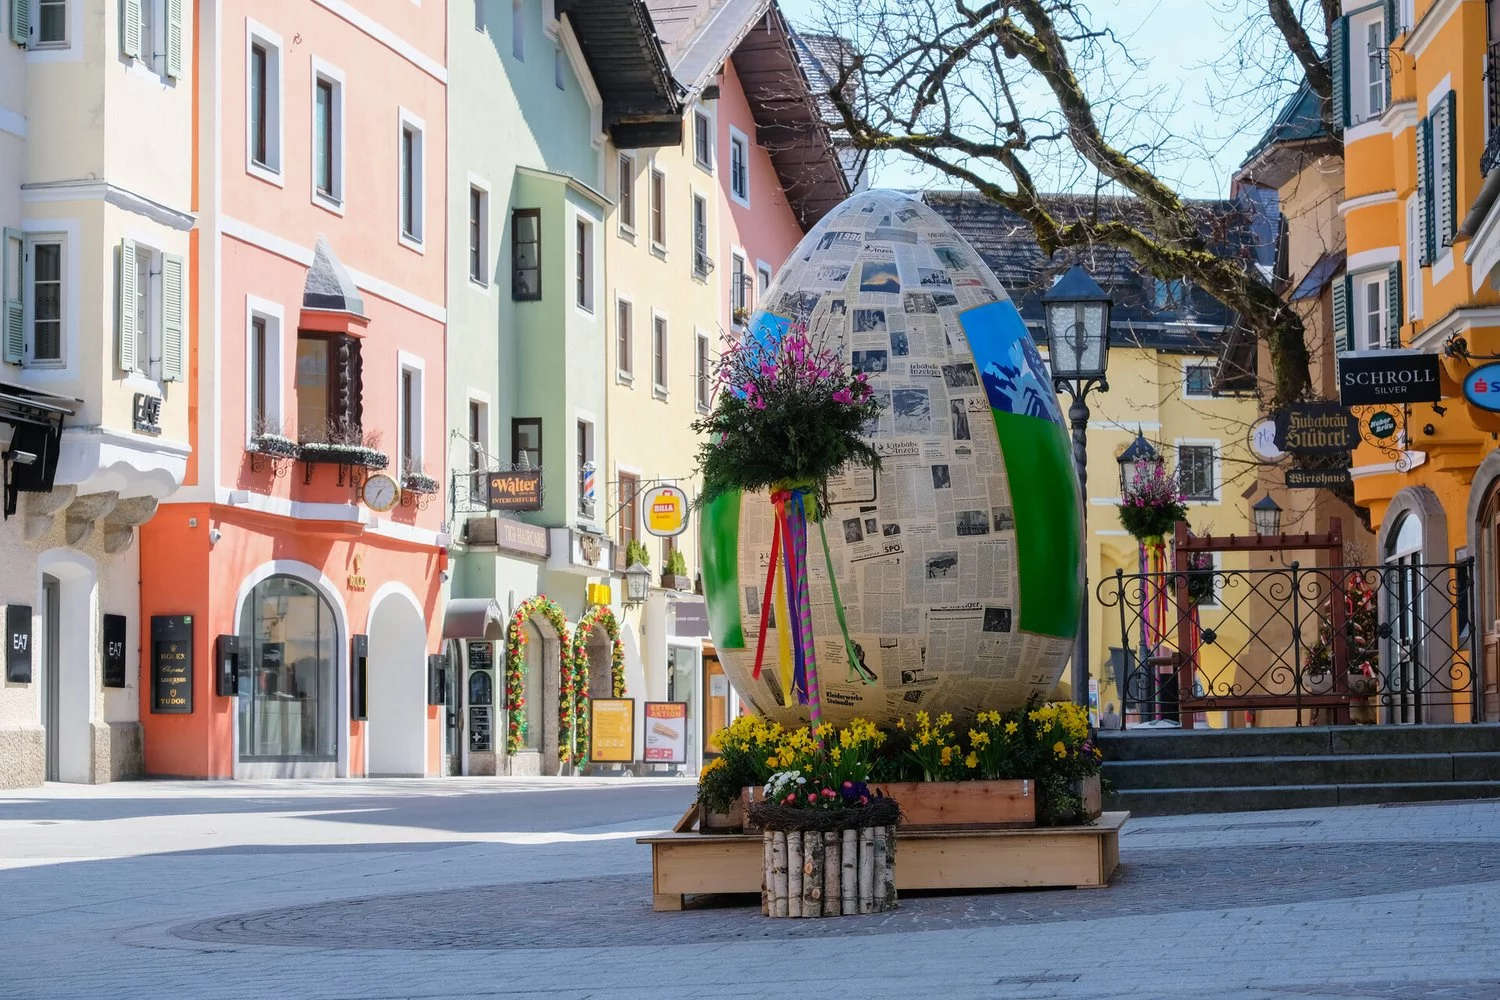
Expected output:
{"points": [[778, 499]]}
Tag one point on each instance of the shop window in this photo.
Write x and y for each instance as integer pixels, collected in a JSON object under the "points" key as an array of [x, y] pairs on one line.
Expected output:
{"points": [[526, 442], [288, 693], [526, 254]]}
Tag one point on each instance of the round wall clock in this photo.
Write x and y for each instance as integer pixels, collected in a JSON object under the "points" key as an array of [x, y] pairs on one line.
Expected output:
{"points": [[381, 492]]}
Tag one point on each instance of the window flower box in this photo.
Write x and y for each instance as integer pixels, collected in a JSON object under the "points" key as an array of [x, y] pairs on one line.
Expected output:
{"points": [[419, 483], [326, 453], [273, 446]]}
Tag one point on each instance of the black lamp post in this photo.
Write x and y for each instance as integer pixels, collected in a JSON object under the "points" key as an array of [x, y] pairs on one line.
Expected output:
{"points": [[1137, 462], [1267, 516], [1077, 314]]}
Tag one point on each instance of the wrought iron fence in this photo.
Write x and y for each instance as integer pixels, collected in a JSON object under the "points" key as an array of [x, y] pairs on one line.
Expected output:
{"points": [[1388, 644]]}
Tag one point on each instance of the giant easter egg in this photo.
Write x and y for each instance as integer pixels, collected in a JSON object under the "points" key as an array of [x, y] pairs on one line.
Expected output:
{"points": [[958, 564]]}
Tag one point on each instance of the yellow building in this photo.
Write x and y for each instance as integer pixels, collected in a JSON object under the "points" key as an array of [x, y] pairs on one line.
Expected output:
{"points": [[1415, 91], [1165, 340]]}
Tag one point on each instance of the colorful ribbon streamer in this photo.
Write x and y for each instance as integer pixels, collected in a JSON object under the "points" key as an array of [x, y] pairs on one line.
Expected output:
{"points": [[765, 600], [857, 669], [808, 691]]}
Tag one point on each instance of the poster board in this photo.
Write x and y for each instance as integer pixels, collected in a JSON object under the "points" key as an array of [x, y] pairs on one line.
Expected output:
{"points": [[612, 731], [666, 732]]}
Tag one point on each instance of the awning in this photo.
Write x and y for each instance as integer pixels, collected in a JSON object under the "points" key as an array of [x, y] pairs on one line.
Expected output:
{"points": [[473, 618]]}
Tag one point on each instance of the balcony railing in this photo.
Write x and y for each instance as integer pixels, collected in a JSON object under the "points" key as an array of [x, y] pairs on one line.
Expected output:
{"points": [[1491, 155]]}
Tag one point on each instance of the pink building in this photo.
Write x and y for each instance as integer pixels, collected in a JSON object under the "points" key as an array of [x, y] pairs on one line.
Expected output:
{"points": [[300, 565]]}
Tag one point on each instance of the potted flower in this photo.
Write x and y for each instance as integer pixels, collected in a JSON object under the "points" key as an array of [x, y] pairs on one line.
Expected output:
{"points": [[417, 481], [726, 784], [338, 445], [635, 552], [674, 575], [740, 316], [269, 442]]}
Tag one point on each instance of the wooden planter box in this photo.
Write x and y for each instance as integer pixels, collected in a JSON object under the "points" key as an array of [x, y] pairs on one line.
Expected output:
{"points": [[957, 805], [810, 873], [1093, 798]]}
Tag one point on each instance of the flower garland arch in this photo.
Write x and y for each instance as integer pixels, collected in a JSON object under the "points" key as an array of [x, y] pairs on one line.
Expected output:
{"points": [[544, 607], [599, 616]]}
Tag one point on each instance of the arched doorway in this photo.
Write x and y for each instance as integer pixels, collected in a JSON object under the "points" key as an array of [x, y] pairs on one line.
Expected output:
{"points": [[289, 691], [1484, 544], [1403, 587], [534, 645], [598, 660], [395, 688]]}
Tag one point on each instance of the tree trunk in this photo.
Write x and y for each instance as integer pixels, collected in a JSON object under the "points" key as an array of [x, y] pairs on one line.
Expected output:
{"points": [[832, 872], [849, 873], [890, 868], [794, 873], [867, 870], [877, 899], [778, 874], [768, 874], [812, 874]]}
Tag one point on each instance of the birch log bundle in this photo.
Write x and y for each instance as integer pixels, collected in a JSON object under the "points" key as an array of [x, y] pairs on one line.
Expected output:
{"points": [[829, 873]]}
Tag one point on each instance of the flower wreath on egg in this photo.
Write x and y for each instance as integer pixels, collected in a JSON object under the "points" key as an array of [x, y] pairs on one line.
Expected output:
{"points": [[602, 617], [515, 662]]}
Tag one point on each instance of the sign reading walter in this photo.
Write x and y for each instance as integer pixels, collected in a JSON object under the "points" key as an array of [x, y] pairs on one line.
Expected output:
{"points": [[1388, 377], [1482, 387], [172, 664], [1316, 428], [515, 490]]}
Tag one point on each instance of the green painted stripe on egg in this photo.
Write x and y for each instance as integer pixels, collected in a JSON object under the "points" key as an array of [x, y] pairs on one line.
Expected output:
{"points": [[1044, 495], [719, 552]]}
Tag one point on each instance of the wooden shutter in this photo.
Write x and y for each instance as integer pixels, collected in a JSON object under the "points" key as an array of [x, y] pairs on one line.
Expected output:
{"points": [[1393, 317], [1392, 20], [130, 28], [13, 321], [20, 21], [1424, 186], [1338, 51], [125, 308], [1342, 333], [171, 318], [174, 39], [1448, 208]]}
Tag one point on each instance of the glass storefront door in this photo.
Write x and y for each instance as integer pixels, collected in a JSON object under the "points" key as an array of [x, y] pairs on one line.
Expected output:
{"points": [[288, 701], [683, 666]]}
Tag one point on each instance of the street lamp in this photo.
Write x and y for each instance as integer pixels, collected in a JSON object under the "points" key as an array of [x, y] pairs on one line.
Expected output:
{"points": [[1137, 462], [1077, 315], [1267, 516], [637, 581]]}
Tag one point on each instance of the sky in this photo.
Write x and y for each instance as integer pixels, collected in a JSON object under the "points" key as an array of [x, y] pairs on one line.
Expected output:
{"points": [[1171, 39]]}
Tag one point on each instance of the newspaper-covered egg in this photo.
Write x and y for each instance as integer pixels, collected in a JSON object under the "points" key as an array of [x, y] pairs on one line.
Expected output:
{"points": [[958, 564]]}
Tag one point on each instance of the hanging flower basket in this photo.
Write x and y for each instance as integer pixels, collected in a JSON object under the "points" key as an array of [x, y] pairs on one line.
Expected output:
{"points": [[1151, 506], [419, 483], [273, 446]]}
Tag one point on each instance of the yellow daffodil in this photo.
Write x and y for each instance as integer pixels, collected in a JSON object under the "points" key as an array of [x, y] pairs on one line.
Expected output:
{"points": [[971, 761]]}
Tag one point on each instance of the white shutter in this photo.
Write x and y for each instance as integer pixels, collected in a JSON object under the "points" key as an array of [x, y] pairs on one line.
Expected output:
{"points": [[171, 318], [130, 28], [13, 320], [125, 308], [20, 21], [174, 38]]}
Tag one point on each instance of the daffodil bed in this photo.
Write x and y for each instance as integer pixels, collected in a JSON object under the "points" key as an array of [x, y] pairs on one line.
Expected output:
{"points": [[1048, 744]]}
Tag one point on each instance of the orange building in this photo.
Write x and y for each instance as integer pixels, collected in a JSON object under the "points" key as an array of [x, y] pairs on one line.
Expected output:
{"points": [[290, 588]]}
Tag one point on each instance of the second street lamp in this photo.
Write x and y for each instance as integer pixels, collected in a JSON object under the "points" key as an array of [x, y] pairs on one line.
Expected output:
{"points": [[1267, 515], [1137, 462], [1077, 315]]}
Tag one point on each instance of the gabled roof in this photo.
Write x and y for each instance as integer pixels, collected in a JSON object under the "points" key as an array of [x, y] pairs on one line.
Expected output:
{"points": [[1183, 319], [642, 102], [1298, 127], [328, 287], [699, 35]]}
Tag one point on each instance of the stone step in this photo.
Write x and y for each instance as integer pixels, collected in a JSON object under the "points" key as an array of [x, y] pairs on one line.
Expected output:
{"points": [[1179, 801], [1178, 744], [1320, 769]]}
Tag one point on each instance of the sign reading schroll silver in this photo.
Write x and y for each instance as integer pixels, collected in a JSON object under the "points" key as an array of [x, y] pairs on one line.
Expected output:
{"points": [[1388, 377]]}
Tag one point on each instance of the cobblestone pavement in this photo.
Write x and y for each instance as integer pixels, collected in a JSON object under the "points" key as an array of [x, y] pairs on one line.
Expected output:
{"points": [[535, 888]]}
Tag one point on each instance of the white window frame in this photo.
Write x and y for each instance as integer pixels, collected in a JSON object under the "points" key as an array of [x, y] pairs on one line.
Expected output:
{"points": [[1359, 310], [153, 35], [275, 319], [486, 266], [1406, 15], [1218, 467], [709, 116], [585, 286], [1361, 27], [659, 385], [763, 268], [149, 337], [70, 9], [29, 240], [418, 369], [270, 172], [702, 370], [625, 193], [518, 30], [738, 138], [705, 254], [1189, 365], [584, 419], [482, 400], [738, 254], [1413, 268], [625, 354], [658, 203], [330, 73], [415, 241]]}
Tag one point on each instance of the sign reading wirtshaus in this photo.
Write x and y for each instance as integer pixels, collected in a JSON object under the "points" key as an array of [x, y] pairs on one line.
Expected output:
{"points": [[1388, 377]]}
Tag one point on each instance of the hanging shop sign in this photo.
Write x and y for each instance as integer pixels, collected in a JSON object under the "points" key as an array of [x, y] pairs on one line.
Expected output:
{"points": [[1382, 424], [1388, 377], [612, 730], [1316, 429], [1263, 441], [18, 643], [666, 732], [172, 664], [666, 511], [1317, 479], [1482, 387], [114, 651], [520, 490]]}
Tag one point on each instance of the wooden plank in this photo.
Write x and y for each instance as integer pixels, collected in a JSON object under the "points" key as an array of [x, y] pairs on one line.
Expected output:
{"points": [[665, 902], [927, 804], [685, 824]]}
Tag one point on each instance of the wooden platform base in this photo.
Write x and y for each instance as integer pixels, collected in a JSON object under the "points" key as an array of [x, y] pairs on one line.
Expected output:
{"points": [[684, 863]]}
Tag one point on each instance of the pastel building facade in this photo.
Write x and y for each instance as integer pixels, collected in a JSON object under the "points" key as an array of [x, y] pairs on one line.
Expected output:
{"points": [[296, 576], [95, 401]]}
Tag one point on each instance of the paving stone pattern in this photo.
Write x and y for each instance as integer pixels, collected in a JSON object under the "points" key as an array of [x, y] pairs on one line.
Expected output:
{"points": [[536, 888]]}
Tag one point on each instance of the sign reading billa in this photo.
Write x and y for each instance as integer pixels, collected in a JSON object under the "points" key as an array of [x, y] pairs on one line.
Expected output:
{"points": [[515, 490], [666, 511], [1316, 428], [1482, 387], [1388, 377]]}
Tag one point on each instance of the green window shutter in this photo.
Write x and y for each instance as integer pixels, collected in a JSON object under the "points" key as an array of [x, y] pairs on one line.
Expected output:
{"points": [[130, 28], [1449, 207], [125, 308], [20, 21], [174, 39], [1393, 306], [1341, 326], [14, 318], [1424, 185], [1338, 54], [1392, 20], [171, 318]]}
